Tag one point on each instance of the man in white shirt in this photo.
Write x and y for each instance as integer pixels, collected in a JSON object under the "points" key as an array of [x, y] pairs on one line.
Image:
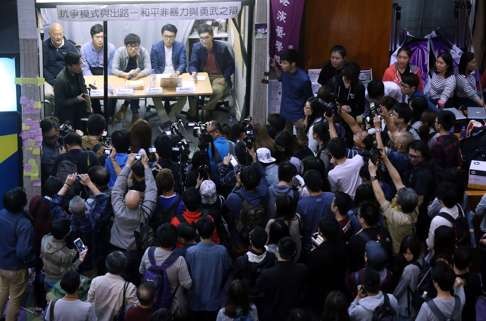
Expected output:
{"points": [[344, 177], [168, 57], [378, 89]]}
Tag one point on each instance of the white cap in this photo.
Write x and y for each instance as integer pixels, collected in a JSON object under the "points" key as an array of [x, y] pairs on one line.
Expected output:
{"points": [[264, 155]]}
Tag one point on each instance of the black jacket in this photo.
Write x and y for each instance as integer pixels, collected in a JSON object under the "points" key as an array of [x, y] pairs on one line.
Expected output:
{"points": [[327, 265], [250, 271], [353, 96], [328, 72], [66, 88], [283, 288], [53, 58]]}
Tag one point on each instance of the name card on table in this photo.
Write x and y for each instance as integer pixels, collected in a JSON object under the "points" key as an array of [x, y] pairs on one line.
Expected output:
{"points": [[200, 77], [96, 93], [187, 86], [124, 91], [154, 91]]}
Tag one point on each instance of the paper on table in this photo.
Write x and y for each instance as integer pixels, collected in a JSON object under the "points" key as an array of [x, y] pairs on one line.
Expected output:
{"points": [[154, 90], [96, 93], [201, 77], [123, 91]]}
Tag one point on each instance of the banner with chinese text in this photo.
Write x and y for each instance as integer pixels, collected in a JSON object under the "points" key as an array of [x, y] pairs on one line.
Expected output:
{"points": [[145, 11], [285, 21]]}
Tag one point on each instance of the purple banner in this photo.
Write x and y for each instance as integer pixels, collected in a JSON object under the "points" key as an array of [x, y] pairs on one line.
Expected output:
{"points": [[285, 20]]}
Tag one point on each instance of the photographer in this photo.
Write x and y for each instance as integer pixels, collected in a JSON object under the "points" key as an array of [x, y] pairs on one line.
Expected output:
{"points": [[75, 160], [163, 146], [222, 146], [349, 91], [120, 141], [93, 139], [51, 146], [370, 298], [401, 214]]}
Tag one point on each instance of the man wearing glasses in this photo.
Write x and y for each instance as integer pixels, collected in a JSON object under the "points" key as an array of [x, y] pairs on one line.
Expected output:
{"points": [[214, 57], [168, 57], [131, 62]]}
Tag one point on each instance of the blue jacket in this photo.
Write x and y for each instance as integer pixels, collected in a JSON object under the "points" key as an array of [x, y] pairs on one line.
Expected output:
{"points": [[16, 250], [157, 57], [53, 58], [224, 59]]}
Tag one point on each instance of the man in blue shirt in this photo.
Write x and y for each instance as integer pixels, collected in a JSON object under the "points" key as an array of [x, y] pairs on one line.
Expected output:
{"points": [[168, 57], [120, 139], [92, 62], [214, 57], [314, 207], [222, 146], [209, 264], [16, 253], [296, 87]]}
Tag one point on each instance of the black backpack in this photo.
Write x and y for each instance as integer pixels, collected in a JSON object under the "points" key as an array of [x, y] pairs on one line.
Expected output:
{"points": [[460, 226], [456, 314], [251, 216], [384, 312]]}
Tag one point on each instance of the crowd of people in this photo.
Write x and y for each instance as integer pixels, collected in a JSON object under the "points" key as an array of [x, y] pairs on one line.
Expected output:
{"points": [[344, 206]]}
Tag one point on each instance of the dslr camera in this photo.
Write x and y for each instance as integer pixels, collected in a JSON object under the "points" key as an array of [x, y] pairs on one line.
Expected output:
{"points": [[249, 131]]}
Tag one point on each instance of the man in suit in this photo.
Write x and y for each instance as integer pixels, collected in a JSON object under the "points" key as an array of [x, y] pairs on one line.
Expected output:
{"points": [[283, 286], [214, 57], [168, 57]]}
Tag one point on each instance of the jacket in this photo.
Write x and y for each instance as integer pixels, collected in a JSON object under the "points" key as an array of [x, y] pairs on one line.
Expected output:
{"points": [[16, 250], [66, 88], [224, 59], [157, 57], [120, 62], [283, 288], [53, 58], [127, 221], [56, 257], [362, 309], [392, 74]]}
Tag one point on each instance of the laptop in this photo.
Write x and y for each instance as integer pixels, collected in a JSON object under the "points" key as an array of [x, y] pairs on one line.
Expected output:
{"points": [[457, 113], [476, 113]]}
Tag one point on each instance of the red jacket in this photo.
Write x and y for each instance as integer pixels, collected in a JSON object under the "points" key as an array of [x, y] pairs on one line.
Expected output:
{"points": [[392, 74], [191, 218]]}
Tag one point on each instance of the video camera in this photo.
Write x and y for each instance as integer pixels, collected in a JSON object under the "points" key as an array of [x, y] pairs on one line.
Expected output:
{"points": [[198, 128], [64, 130]]}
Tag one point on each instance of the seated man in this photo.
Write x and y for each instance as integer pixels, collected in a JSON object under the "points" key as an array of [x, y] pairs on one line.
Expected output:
{"points": [[92, 61], [131, 62], [54, 49], [72, 101], [409, 88], [168, 57], [214, 57]]}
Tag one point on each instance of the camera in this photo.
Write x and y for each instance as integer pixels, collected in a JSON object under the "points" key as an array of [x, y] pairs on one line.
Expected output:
{"points": [[105, 140], [203, 172], [107, 151], [249, 131], [198, 128], [180, 151], [152, 154], [138, 157], [316, 240], [64, 130]]}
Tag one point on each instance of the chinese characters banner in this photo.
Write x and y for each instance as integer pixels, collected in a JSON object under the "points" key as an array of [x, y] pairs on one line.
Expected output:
{"points": [[285, 20], [189, 10]]}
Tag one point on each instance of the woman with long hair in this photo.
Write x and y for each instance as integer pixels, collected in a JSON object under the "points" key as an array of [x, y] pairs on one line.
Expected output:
{"points": [[443, 81], [403, 66], [333, 66], [238, 305], [466, 89]]}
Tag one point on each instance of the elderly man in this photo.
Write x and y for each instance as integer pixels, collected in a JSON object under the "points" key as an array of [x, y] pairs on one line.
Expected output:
{"points": [[131, 62], [131, 207], [54, 49]]}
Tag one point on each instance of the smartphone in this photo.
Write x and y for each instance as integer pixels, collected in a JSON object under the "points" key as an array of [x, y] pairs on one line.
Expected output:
{"points": [[107, 151], [79, 245], [233, 161], [138, 157], [151, 154]]}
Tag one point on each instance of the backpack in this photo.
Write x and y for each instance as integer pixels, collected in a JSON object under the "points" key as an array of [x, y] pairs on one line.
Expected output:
{"points": [[425, 288], [250, 216], [384, 312], [382, 238], [439, 315], [157, 275], [460, 226]]}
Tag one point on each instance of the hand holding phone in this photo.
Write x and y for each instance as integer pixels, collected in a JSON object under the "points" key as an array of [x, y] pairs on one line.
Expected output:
{"points": [[79, 245]]}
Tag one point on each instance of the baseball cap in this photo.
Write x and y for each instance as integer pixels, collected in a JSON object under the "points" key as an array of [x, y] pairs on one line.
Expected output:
{"points": [[208, 192], [264, 155]]}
